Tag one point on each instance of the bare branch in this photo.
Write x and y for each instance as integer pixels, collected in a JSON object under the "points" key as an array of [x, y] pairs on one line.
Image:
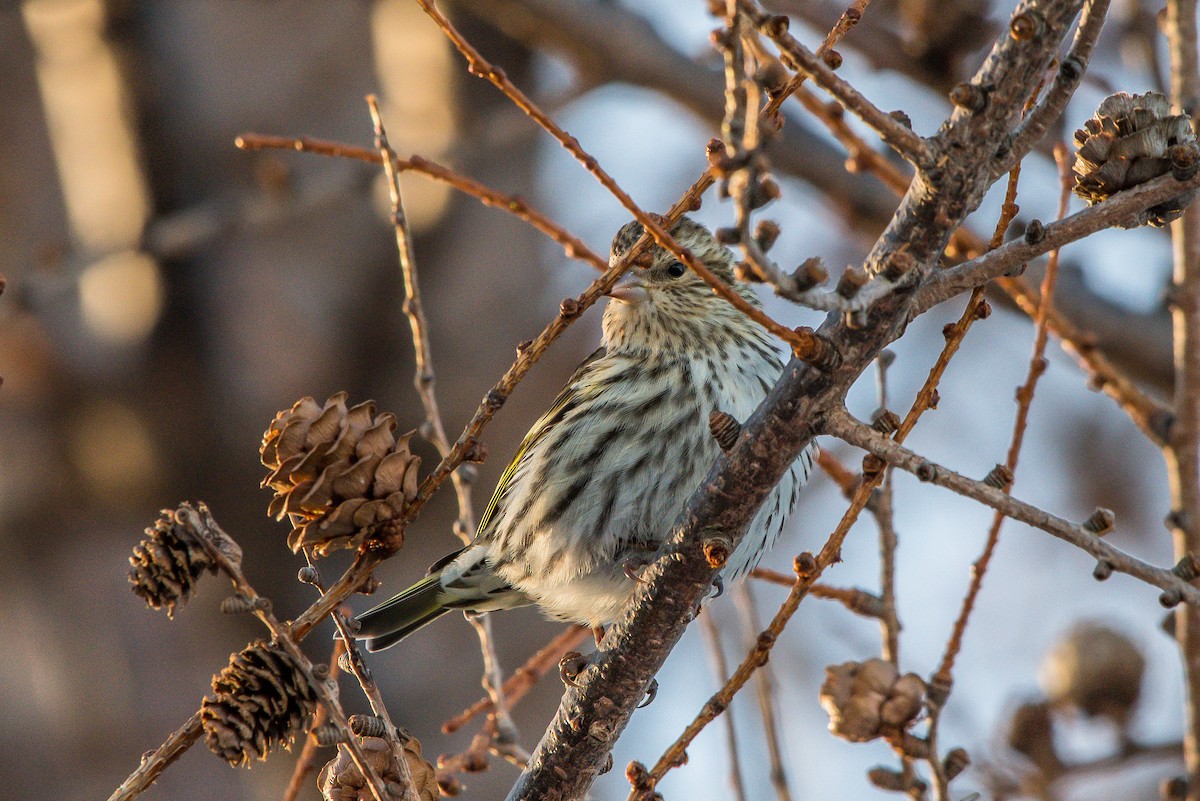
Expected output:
{"points": [[712, 638], [1182, 449], [153, 764], [844, 427], [1070, 72], [1122, 208], [524, 677], [764, 685], [571, 244], [858, 601], [308, 762], [898, 136]]}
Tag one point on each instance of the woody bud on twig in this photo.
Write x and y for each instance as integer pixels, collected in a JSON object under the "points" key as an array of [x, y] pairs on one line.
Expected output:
{"points": [[810, 274], [725, 429]]}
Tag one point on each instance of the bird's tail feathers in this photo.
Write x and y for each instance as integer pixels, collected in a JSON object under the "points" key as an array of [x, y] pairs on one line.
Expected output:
{"points": [[392, 621]]}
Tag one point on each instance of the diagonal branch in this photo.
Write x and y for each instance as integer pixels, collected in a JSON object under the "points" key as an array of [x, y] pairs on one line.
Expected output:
{"points": [[1175, 589], [1070, 72], [1012, 256], [572, 245], [896, 134]]}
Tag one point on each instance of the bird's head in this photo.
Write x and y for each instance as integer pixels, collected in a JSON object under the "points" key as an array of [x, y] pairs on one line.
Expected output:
{"points": [[660, 303]]}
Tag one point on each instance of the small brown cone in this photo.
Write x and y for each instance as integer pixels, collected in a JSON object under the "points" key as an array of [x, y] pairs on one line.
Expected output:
{"points": [[165, 565], [1130, 140], [341, 780], [1095, 669], [261, 700], [338, 472], [868, 699]]}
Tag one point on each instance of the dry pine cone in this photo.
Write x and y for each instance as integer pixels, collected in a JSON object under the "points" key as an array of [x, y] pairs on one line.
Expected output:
{"points": [[337, 472], [1096, 670], [867, 699], [262, 699], [1130, 140], [341, 780], [165, 565]]}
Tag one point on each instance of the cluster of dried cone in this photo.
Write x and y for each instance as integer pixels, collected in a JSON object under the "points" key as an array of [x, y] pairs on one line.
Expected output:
{"points": [[866, 700], [338, 473], [341, 779]]}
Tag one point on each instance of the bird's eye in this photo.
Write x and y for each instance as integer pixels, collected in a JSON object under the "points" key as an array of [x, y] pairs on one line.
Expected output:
{"points": [[676, 269]]}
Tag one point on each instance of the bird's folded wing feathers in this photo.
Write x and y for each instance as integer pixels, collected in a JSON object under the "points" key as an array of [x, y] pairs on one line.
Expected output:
{"points": [[566, 400]]}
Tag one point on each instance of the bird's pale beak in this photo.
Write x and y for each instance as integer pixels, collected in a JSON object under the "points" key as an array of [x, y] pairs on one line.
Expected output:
{"points": [[629, 290]]}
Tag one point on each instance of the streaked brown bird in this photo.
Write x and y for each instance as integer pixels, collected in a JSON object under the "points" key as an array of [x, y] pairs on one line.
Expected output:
{"points": [[602, 475]]}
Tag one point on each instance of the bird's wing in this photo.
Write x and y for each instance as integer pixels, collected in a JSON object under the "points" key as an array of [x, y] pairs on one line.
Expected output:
{"points": [[567, 399]]}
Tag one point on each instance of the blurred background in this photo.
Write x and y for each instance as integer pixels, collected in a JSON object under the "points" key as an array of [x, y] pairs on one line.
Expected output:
{"points": [[168, 293]]}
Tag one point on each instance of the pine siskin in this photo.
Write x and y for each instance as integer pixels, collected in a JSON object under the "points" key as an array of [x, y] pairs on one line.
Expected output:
{"points": [[601, 476]]}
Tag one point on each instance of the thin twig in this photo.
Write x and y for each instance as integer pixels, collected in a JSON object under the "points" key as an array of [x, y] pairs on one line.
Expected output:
{"points": [[764, 687], [493, 679], [943, 676], [847, 480], [525, 677], [955, 334], [862, 158], [844, 427], [712, 638], [153, 764], [1150, 416], [307, 764], [911, 147], [433, 429], [571, 244], [858, 601], [883, 512], [1037, 366]]}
